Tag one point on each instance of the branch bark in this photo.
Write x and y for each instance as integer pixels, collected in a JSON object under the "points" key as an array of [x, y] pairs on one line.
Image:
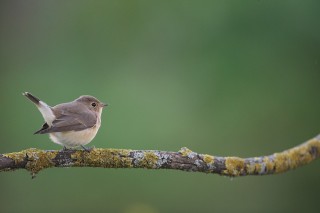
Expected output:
{"points": [[35, 160]]}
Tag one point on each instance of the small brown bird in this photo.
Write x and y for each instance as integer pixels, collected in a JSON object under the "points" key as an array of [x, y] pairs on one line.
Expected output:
{"points": [[70, 124]]}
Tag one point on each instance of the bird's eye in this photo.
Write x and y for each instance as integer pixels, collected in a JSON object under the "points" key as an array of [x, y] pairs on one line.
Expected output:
{"points": [[94, 104]]}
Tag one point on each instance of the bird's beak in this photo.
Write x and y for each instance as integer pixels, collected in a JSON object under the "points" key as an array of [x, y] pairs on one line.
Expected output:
{"points": [[104, 104]]}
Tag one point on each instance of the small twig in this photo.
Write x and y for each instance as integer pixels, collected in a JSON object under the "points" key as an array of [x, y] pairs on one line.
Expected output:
{"points": [[35, 160]]}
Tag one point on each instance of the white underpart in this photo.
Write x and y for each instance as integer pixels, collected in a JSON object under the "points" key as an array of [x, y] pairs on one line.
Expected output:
{"points": [[46, 112], [74, 138], [77, 138]]}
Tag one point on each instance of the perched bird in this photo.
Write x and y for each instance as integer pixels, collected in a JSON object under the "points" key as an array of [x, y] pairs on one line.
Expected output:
{"points": [[70, 124]]}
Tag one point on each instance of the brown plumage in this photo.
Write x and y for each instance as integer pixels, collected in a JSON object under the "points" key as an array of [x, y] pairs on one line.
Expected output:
{"points": [[70, 124]]}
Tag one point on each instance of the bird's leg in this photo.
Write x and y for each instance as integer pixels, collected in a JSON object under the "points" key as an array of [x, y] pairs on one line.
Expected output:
{"points": [[65, 148], [87, 149]]}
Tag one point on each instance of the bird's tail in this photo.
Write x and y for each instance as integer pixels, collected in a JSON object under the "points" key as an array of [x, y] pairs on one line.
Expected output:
{"points": [[32, 98], [45, 109]]}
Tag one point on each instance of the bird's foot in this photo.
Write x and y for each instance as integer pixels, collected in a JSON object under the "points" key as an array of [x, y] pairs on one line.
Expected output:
{"points": [[65, 148]]}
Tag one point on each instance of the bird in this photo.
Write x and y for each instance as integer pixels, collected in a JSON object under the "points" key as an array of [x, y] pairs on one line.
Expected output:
{"points": [[71, 124]]}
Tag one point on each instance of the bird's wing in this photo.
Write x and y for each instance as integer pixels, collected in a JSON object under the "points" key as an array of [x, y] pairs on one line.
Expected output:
{"points": [[70, 121]]}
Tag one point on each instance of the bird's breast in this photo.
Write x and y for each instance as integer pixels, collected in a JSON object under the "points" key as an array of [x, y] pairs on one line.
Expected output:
{"points": [[75, 138]]}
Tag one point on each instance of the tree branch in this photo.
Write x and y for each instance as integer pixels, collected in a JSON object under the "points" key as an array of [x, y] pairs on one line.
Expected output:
{"points": [[35, 160]]}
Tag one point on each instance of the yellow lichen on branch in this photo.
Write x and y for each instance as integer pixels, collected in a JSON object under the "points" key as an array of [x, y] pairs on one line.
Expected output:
{"points": [[297, 156], [234, 166], [107, 158], [35, 160]]}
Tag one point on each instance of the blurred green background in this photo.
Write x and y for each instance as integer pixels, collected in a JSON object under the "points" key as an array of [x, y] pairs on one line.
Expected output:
{"points": [[220, 77]]}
